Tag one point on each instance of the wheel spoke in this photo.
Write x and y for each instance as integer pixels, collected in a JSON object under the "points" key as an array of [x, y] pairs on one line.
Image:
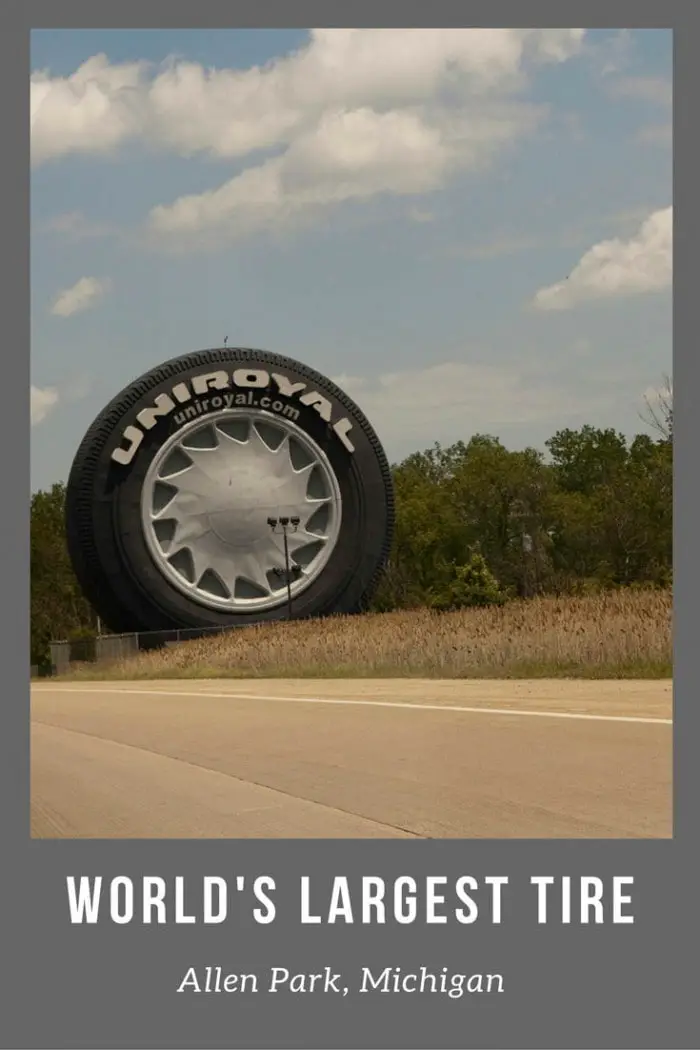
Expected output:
{"points": [[188, 530], [163, 502], [176, 477], [257, 444], [302, 472], [318, 501], [200, 562], [250, 569], [302, 538], [219, 559]]}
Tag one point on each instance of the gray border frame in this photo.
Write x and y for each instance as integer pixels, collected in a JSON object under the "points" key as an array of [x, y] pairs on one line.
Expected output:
{"points": [[109, 986]]}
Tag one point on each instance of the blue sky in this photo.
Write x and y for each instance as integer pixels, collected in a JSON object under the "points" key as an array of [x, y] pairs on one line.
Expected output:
{"points": [[472, 233]]}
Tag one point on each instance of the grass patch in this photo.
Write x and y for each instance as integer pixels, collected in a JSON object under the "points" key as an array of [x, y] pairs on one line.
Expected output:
{"points": [[619, 634]]}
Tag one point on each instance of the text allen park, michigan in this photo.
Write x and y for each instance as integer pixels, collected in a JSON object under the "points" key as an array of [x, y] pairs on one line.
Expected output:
{"points": [[389, 980]]}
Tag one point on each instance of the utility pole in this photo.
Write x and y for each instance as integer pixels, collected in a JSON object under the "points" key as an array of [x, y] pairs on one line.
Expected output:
{"points": [[283, 524]]}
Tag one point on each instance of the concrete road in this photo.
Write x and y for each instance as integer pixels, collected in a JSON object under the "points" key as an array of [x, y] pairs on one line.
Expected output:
{"points": [[351, 759]]}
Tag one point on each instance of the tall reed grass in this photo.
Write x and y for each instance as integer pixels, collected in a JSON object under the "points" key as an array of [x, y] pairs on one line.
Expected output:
{"points": [[620, 634]]}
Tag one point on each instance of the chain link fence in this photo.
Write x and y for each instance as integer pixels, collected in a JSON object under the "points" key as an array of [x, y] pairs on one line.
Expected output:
{"points": [[112, 648]]}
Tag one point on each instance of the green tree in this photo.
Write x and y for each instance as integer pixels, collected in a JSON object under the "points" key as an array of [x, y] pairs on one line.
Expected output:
{"points": [[586, 459], [451, 502], [426, 533], [502, 503], [472, 584], [58, 608], [612, 509]]}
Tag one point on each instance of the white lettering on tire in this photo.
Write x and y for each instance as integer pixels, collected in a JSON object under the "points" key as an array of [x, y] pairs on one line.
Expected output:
{"points": [[133, 437], [210, 381], [148, 417], [220, 380], [341, 429], [251, 377], [285, 387], [322, 405]]}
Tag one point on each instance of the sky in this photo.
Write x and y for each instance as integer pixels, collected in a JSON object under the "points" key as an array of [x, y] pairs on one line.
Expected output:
{"points": [[469, 230]]}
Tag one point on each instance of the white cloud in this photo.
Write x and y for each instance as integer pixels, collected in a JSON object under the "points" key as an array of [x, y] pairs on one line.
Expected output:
{"points": [[354, 113], [84, 294], [42, 400], [94, 110], [617, 268], [457, 399], [347, 156], [231, 112]]}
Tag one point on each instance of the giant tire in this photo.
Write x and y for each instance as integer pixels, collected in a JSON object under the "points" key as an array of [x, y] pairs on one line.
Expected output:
{"points": [[122, 573]]}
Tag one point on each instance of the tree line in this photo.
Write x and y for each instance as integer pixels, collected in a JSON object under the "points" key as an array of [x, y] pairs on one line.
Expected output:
{"points": [[476, 523]]}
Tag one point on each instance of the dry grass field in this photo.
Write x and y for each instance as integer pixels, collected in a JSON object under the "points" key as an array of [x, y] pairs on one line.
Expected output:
{"points": [[620, 634]]}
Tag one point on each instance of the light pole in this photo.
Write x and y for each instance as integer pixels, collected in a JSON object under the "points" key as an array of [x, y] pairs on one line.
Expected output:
{"points": [[527, 524], [284, 524]]}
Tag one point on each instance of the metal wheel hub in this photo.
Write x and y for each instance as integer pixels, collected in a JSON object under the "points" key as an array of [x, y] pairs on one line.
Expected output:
{"points": [[207, 498]]}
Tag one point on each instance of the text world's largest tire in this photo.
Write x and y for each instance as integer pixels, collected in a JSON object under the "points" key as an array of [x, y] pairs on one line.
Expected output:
{"points": [[177, 495]]}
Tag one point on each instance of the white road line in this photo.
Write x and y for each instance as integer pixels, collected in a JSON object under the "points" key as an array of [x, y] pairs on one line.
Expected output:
{"points": [[521, 713]]}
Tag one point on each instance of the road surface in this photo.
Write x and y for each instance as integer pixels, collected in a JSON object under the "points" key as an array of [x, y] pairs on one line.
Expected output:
{"points": [[351, 759]]}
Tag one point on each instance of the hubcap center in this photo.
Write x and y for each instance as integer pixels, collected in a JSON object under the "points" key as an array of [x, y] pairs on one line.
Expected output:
{"points": [[241, 498]]}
